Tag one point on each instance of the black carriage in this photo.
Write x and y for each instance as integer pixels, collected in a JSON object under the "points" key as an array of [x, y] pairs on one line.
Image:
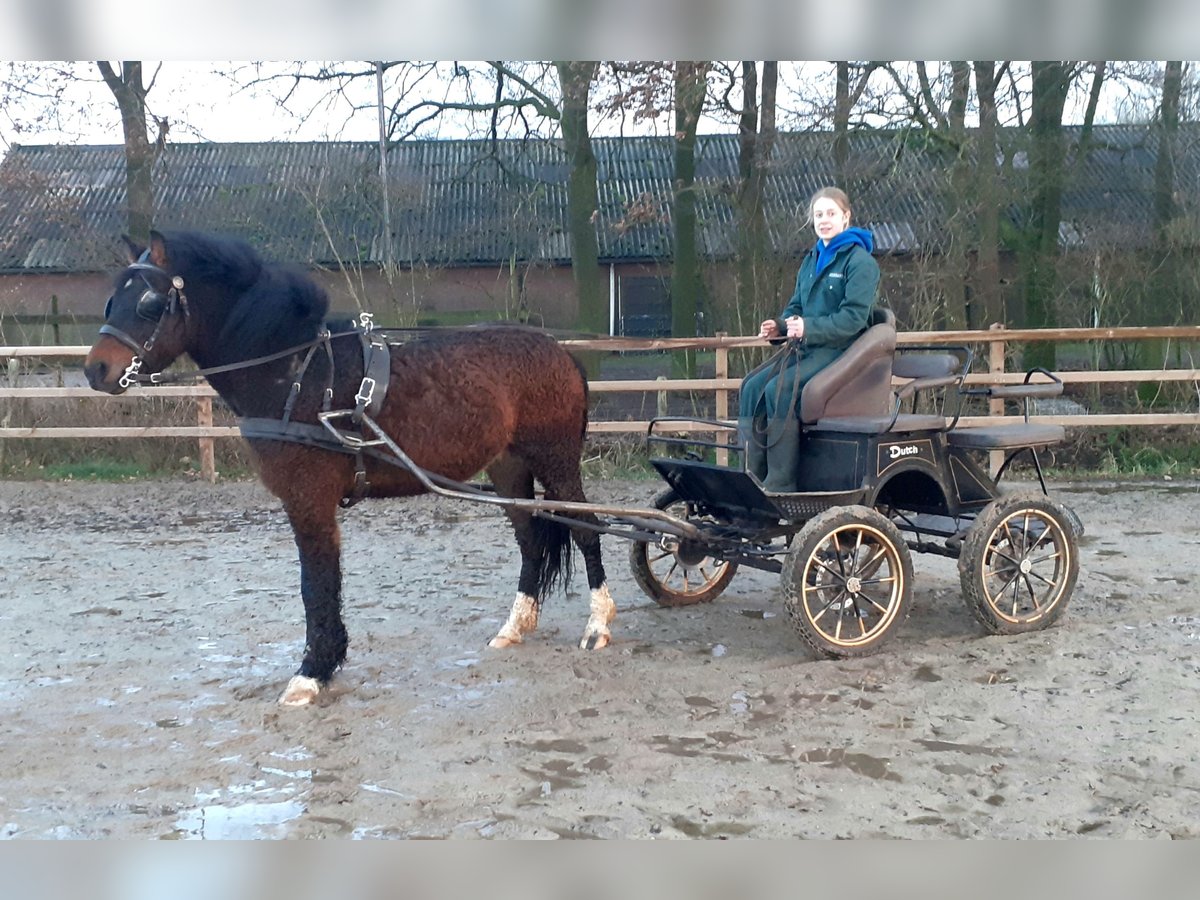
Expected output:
{"points": [[881, 473]]}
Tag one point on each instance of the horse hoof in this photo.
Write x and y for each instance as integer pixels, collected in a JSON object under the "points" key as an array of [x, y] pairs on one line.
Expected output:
{"points": [[500, 642], [597, 641], [301, 691]]}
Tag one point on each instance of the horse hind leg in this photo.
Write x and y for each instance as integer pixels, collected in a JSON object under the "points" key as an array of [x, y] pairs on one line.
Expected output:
{"points": [[563, 481], [545, 552]]}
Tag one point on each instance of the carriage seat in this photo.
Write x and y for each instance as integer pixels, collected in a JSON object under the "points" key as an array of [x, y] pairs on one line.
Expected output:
{"points": [[923, 371], [859, 382], [1006, 437]]}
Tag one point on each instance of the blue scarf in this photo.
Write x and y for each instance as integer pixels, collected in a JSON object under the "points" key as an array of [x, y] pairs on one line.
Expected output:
{"points": [[826, 252]]}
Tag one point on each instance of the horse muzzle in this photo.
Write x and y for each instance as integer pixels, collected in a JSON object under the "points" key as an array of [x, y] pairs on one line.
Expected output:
{"points": [[106, 365]]}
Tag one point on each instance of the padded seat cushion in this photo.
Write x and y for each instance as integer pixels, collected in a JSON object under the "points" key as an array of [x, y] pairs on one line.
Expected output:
{"points": [[1006, 437], [879, 424]]}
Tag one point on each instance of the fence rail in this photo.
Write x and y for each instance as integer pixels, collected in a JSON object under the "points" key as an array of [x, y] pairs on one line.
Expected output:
{"points": [[996, 338]]}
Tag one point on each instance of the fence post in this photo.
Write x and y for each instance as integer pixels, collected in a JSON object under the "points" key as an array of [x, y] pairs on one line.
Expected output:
{"points": [[996, 355], [721, 409], [208, 460]]}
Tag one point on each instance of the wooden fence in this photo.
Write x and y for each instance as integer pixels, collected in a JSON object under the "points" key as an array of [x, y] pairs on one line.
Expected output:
{"points": [[996, 340]]}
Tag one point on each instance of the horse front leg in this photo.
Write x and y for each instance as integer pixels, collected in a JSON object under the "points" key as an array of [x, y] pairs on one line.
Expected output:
{"points": [[318, 541]]}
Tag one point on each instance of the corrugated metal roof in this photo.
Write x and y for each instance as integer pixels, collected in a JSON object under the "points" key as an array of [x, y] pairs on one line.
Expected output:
{"points": [[479, 202]]}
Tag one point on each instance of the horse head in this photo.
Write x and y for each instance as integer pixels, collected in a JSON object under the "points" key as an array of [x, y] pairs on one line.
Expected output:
{"points": [[147, 322]]}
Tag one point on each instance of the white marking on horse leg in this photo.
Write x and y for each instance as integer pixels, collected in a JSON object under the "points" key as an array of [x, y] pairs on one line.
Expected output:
{"points": [[300, 691], [521, 621], [597, 635]]}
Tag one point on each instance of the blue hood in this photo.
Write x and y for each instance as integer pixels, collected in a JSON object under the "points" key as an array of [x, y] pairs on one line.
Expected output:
{"points": [[826, 252]]}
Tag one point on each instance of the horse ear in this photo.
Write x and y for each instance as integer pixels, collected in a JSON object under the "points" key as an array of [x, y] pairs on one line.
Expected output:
{"points": [[133, 250], [158, 250]]}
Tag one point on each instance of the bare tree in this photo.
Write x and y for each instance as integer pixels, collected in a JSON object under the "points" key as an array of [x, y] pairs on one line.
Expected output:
{"points": [[690, 81], [756, 282], [987, 202], [583, 194], [130, 90]]}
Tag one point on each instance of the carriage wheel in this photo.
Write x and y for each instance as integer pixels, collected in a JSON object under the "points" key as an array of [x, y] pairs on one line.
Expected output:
{"points": [[1019, 563], [676, 572], [848, 582]]}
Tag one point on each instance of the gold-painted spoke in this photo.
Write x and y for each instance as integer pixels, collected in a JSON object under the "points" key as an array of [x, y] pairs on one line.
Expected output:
{"points": [[873, 561], [1046, 532], [828, 606], [999, 594], [996, 551], [1049, 556], [836, 573], [1032, 594], [887, 579], [1050, 582], [875, 603]]}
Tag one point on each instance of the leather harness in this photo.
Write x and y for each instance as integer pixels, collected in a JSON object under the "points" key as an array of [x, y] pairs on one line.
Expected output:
{"points": [[368, 401]]}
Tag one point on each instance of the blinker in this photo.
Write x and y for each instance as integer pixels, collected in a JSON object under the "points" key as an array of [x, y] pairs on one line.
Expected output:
{"points": [[153, 304]]}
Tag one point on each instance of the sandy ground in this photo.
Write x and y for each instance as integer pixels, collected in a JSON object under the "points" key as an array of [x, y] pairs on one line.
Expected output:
{"points": [[148, 628]]}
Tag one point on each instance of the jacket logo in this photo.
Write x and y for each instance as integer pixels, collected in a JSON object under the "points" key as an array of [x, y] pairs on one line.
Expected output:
{"points": [[837, 274], [896, 451]]}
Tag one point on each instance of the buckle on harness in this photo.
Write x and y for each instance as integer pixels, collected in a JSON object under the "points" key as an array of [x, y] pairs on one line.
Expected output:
{"points": [[366, 391], [365, 322]]}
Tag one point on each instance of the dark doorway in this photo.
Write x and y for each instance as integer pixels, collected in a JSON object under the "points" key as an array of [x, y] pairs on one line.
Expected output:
{"points": [[645, 308]]}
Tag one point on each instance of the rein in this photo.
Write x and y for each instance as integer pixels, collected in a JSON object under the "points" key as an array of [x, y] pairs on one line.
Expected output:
{"points": [[133, 374], [778, 363]]}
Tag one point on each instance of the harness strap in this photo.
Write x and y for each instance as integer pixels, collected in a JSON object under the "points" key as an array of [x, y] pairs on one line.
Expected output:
{"points": [[295, 390], [377, 371], [308, 435]]}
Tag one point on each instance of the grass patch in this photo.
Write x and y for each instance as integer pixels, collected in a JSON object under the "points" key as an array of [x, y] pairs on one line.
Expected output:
{"points": [[1147, 452], [97, 470]]}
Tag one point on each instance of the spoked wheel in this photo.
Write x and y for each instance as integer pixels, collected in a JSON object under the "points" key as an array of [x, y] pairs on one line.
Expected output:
{"points": [[1019, 563], [848, 582], [675, 572]]}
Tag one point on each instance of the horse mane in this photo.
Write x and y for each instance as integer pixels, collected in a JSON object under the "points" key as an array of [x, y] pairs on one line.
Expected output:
{"points": [[274, 305]]}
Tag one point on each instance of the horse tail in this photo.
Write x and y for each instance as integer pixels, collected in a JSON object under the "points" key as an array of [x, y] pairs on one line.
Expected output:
{"points": [[583, 380], [555, 567]]}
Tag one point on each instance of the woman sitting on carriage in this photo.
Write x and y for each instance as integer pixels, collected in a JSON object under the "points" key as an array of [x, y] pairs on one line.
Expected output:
{"points": [[835, 292]]}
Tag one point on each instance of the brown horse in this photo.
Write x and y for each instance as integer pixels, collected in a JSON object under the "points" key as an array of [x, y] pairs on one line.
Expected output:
{"points": [[506, 400]]}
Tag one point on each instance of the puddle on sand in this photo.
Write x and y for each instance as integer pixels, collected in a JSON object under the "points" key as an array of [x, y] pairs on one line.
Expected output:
{"points": [[858, 763], [245, 822]]}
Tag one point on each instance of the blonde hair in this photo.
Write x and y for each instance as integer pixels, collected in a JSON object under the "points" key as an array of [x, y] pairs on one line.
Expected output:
{"points": [[837, 195]]}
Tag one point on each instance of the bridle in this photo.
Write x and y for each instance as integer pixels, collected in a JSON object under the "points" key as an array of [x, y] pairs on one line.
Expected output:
{"points": [[153, 306], [156, 306]]}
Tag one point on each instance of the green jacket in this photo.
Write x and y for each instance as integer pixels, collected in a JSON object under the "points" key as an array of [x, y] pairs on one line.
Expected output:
{"points": [[836, 305]]}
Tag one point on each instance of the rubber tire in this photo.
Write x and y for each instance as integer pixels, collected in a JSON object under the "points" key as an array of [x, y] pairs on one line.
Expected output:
{"points": [[801, 562], [985, 533], [653, 586]]}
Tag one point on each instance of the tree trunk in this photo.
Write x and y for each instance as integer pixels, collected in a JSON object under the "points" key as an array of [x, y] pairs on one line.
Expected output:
{"points": [[987, 203], [140, 154], [955, 291], [1047, 168], [583, 198], [756, 133], [1165, 301], [690, 89], [841, 124]]}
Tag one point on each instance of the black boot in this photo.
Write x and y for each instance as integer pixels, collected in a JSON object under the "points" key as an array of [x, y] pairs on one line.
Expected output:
{"points": [[783, 452]]}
